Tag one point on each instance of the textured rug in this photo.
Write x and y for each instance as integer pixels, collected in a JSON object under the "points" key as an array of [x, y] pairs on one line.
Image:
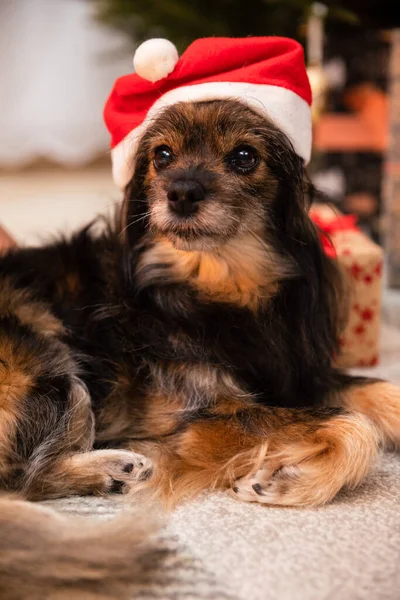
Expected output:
{"points": [[349, 550]]}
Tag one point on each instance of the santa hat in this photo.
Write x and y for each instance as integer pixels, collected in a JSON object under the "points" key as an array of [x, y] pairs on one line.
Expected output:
{"points": [[266, 73]]}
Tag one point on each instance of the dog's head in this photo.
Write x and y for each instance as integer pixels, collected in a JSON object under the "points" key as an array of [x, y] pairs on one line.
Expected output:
{"points": [[222, 199], [211, 171]]}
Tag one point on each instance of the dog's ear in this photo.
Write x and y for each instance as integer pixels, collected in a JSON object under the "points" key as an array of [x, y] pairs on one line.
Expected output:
{"points": [[316, 298], [133, 222]]}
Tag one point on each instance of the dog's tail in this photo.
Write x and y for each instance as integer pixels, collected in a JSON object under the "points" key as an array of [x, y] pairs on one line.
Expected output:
{"points": [[45, 555]]}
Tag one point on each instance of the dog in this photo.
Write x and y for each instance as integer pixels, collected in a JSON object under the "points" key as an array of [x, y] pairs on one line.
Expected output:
{"points": [[190, 345]]}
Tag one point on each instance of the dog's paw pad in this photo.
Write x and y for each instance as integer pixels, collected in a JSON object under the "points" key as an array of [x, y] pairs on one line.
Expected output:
{"points": [[122, 469], [128, 468], [266, 487]]}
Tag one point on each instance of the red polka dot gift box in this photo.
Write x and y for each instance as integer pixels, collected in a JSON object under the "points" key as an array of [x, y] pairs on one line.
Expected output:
{"points": [[361, 261]]}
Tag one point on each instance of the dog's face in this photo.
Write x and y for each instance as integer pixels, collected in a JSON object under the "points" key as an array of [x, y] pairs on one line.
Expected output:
{"points": [[225, 197], [210, 172]]}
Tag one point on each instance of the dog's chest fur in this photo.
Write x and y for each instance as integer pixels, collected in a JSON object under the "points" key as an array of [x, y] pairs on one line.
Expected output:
{"points": [[244, 272], [193, 334]]}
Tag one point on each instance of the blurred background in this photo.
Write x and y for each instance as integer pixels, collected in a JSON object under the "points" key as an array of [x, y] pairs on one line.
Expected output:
{"points": [[59, 58]]}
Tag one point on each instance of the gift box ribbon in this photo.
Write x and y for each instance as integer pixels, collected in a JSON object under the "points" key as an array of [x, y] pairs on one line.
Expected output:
{"points": [[327, 227]]}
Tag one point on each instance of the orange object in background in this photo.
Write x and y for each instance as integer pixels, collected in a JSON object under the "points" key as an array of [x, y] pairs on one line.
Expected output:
{"points": [[5, 240], [364, 131]]}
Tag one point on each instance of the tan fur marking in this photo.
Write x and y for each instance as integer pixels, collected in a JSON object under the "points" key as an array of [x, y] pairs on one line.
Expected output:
{"points": [[39, 319], [15, 384], [325, 457], [380, 401], [244, 271], [162, 415], [29, 312], [126, 413]]}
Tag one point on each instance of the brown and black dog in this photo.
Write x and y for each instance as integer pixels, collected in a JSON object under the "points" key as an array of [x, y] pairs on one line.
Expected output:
{"points": [[198, 330]]}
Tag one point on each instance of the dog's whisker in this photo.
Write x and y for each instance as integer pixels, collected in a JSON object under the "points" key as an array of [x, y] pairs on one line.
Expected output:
{"points": [[296, 240], [257, 237], [141, 218]]}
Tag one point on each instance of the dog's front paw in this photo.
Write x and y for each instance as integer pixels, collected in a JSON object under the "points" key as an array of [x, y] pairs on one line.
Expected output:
{"points": [[279, 487], [311, 470], [120, 470]]}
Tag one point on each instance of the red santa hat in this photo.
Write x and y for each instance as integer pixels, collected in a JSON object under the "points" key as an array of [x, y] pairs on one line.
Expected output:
{"points": [[266, 73]]}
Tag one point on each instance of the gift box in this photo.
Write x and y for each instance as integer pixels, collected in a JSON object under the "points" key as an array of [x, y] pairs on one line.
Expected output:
{"points": [[361, 262]]}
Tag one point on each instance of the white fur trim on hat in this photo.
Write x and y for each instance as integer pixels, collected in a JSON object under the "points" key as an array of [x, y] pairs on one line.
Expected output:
{"points": [[155, 59], [285, 108]]}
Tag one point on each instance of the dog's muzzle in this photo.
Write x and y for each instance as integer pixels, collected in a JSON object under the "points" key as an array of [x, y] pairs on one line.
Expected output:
{"points": [[184, 197]]}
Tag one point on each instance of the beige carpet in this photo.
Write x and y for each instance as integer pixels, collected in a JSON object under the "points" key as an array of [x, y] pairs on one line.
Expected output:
{"points": [[349, 550]]}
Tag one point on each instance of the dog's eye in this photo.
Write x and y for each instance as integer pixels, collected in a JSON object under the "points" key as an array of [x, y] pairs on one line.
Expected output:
{"points": [[162, 157], [243, 159]]}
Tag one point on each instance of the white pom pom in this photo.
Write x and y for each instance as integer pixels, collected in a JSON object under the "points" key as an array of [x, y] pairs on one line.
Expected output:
{"points": [[155, 59]]}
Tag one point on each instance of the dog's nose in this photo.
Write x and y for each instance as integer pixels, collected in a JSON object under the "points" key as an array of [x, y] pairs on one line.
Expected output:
{"points": [[184, 196]]}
